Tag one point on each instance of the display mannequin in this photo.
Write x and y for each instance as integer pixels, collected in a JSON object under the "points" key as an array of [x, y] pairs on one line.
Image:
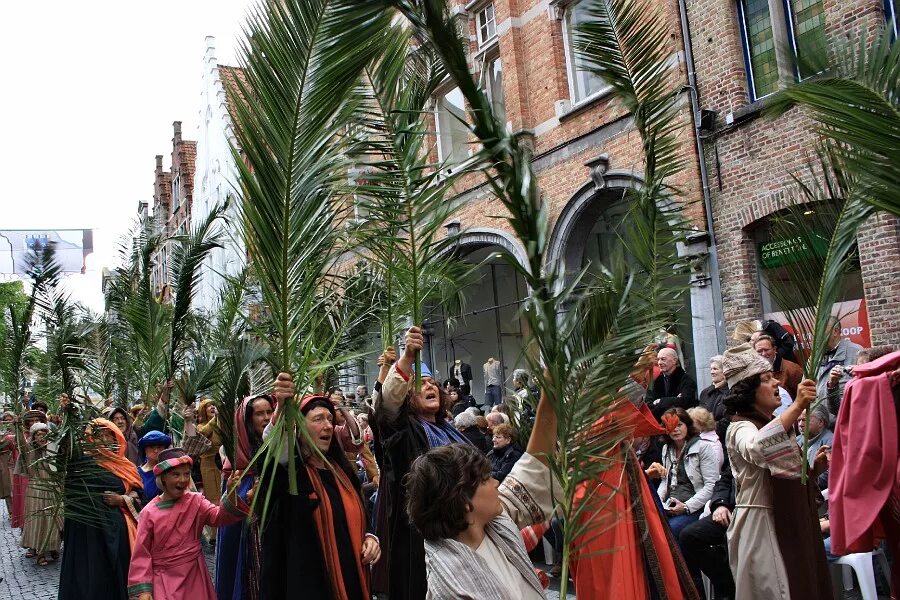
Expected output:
{"points": [[462, 372], [493, 382]]}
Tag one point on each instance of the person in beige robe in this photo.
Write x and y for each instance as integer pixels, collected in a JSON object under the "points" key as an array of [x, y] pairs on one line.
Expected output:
{"points": [[774, 512]]}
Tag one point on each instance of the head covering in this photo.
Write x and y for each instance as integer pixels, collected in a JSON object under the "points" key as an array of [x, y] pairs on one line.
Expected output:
{"points": [[243, 451], [426, 372], [201, 410], [38, 427], [155, 438], [312, 401], [171, 458], [34, 414], [744, 330], [116, 463], [742, 362]]}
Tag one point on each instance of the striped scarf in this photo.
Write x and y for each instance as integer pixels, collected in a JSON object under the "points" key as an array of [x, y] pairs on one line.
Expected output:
{"points": [[441, 433], [456, 571]]}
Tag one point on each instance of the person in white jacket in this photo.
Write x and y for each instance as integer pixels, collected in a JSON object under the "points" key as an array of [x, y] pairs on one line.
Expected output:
{"points": [[690, 470]]}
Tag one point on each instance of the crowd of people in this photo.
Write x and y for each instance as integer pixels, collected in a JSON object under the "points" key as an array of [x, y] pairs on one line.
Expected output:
{"points": [[420, 491]]}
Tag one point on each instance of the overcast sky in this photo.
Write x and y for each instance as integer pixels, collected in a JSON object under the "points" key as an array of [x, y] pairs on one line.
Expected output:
{"points": [[89, 95]]}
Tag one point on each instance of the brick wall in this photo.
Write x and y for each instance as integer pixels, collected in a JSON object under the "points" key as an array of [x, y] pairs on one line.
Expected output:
{"points": [[750, 162]]}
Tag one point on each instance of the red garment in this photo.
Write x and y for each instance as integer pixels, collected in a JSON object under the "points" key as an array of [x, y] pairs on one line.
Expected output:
{"points": [[864, 466], [628, 533]]}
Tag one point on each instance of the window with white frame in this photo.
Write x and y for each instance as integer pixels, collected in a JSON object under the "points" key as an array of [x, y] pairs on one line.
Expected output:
{"points": [[452, 132], [486, 24], [767, 25], [176, 192], [583, 84]]}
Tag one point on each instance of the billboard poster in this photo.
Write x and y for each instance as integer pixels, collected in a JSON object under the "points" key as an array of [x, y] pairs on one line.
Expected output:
{"points": [[72, 248], [854, 323]]}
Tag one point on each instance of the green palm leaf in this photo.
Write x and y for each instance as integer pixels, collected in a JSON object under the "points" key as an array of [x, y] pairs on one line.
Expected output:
{"points": [[402, 194], [302, 61], [583, 356], [856, 102]]}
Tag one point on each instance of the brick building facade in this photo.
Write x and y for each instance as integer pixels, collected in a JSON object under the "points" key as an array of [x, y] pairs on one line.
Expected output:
{"points": [[586, 152], [172, 198], [743, 51]]}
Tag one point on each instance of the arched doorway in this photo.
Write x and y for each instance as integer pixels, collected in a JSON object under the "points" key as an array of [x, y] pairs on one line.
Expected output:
{"points": [[586, 235], [489, 325]]}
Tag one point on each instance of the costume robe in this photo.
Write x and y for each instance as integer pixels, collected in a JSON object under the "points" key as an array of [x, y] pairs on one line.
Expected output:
{"points": [[761, 459], [7, 460], [631, 552], [168, 560], [43, 519]]}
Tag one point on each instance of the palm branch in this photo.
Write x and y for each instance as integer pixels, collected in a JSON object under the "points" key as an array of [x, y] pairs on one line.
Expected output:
{"points": [[43, 270], [584, 355], [65, 344], [404, 195], [856, 103], [145, 321], [187, 257], [302, 61]]}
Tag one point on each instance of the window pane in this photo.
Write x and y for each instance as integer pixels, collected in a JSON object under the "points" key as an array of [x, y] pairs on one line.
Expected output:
{"points": [[808, 21], [761, 47], [584, 83], [494, 87], [452, 131], [487, 27]]}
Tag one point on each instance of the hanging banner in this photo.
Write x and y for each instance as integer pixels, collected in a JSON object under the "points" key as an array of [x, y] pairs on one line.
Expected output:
{"points": [[72, 248], [854, 320]]}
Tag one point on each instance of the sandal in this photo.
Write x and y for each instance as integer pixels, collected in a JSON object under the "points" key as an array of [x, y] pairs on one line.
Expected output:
{"points": [[31, 553], [42, 561]]}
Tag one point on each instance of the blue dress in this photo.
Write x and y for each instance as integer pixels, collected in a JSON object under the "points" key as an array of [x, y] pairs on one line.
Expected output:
{"points": [[237, 555]]}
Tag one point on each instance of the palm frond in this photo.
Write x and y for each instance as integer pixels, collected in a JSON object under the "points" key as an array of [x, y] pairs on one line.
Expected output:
{"points": [[187, 257], [302, 61], [402, 194], [583, 356], [856, 103]]}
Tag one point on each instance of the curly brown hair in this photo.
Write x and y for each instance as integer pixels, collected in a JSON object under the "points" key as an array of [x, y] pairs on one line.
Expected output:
{"points": [[440, 486]]}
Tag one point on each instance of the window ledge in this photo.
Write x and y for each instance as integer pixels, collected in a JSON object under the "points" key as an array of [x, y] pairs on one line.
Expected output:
{"points": [[750, 111], [587, 104]]}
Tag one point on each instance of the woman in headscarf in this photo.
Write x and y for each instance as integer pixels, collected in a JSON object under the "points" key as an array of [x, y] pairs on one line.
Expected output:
{"points": [[237, 548], [210, 471], [150, 447], [8, 455], [104, 484], [20, 474], [324, 526], [408, 422], [774, 541], [124, 422], [42, 517]]}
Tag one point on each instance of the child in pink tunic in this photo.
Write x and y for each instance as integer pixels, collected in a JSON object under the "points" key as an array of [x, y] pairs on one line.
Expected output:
{"points": [[167, 562]]}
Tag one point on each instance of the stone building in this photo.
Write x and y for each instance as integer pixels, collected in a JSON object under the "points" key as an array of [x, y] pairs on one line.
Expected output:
{"points": [[172, 197], [216, 176], [745, 50]]}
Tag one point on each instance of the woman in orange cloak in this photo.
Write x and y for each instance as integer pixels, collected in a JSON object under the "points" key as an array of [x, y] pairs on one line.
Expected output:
{"points": [[628, 550]]}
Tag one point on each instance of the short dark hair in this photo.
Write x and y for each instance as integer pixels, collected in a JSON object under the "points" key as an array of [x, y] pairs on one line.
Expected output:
{"points": [[440, 486], [741, 396], [39, 405], [766, 337]]}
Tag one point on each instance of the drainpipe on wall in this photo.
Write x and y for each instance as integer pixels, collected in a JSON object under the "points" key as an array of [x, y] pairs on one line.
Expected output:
{"points": [[704, 178]]}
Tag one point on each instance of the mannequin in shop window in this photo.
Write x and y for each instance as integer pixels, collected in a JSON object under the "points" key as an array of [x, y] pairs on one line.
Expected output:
{"points": [[462, 372], [493, 383]]}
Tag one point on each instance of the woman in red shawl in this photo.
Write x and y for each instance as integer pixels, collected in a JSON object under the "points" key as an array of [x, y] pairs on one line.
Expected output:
{"points": [[98, 547]]}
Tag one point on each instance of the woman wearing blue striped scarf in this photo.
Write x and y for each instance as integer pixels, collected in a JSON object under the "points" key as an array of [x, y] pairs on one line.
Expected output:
{"points": [[407, 424]]}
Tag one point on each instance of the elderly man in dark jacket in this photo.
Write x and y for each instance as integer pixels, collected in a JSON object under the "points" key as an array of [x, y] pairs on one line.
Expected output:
{"points": [[673, 388]]}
